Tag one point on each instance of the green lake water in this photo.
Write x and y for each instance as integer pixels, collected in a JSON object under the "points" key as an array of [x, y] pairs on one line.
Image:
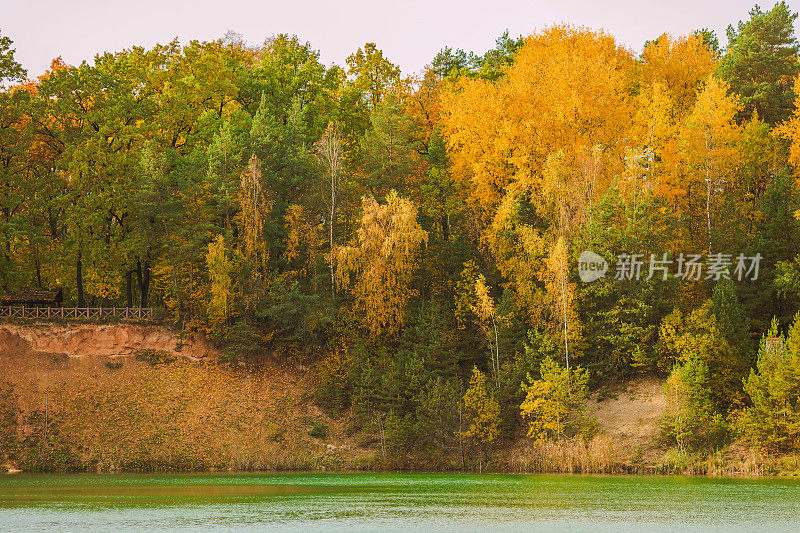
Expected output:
{"points": [[395, 502]]}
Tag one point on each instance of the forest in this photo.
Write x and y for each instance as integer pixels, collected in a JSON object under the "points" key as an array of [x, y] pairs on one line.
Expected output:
{"points": [[415, 239]]}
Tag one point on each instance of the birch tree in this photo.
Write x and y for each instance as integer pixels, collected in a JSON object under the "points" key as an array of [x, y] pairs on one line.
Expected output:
{"points": [[255, 208], [378, 266], [329, 153]]}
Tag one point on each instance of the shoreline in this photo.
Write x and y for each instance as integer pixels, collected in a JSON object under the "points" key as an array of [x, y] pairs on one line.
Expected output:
{"points": [[158, 412], [242, 473]]}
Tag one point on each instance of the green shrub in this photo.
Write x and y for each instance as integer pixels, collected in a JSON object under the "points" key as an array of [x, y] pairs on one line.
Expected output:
{"points": [[554, 404], [318, 430], [154, 357]]}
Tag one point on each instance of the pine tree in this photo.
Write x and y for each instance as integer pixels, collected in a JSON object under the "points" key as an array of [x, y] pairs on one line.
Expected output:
{"points": [[760, 63], [773, 421]]}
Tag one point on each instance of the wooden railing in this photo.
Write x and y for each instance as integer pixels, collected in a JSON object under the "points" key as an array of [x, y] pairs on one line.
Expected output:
{"points": [[89, 313]]}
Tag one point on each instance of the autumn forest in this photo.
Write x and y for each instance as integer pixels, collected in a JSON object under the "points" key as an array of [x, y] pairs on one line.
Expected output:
{"points": [[414, 240]]}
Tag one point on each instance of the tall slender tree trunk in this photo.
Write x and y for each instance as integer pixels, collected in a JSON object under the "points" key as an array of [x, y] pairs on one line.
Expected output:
{"points": [[333, 285], [334, 168], [496, 352], [79, 281], [708, 211], [329, 153], [566, 337], [129, 288], [709, 147], [38, 272], [143, 278]]}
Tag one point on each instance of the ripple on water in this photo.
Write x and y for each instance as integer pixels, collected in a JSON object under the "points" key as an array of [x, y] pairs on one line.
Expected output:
{"points": [[395, 502]]}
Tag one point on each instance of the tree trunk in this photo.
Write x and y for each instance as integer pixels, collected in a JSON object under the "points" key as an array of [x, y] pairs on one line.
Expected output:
{"points": [[497, 352], [38, 272], [709, 148], [333, 284], [143, 279], [79, 281], [708, 212], [146, 286], [129, 288], [564, 300]]}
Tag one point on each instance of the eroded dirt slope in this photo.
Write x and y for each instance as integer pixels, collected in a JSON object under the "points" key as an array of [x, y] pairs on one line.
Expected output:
{"points": [[632, 419], [78, 340]]}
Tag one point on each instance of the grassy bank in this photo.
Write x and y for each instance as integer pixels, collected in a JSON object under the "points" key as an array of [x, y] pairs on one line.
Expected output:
{"points": [[164, 414], [159, 413]]}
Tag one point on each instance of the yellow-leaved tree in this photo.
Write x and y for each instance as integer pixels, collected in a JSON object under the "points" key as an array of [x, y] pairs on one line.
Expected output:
{"points": [[791, 129], [709, 152], [553, 405], [219, 270], [255, 208], [539, 146], [560, 300], [488, 318], [377, 268], [680, 65], [330, 154], [482, 414], [673, 71], [569, 89], [304, 242]]}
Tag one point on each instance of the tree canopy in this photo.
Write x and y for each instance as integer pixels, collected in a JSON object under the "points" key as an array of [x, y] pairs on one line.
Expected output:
{"points": [[420, 238]]}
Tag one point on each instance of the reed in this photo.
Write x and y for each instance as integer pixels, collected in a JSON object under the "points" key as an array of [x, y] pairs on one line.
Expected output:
{"points": [[569, 456]]}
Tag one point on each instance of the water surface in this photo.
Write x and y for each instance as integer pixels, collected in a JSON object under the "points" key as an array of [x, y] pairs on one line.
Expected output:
{"points": [[395, 502]]}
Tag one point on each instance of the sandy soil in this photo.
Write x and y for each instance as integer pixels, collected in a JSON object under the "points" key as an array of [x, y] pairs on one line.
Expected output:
{"points": [[78, 340], [632, 419], [223, 416]]}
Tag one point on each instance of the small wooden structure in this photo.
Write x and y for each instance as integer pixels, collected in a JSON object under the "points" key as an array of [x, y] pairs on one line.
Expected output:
{"points": [[34, 297], [77, 313]]}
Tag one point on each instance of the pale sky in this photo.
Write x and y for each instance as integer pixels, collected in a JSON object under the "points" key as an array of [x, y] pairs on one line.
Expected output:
{"points": [[410, 32]]}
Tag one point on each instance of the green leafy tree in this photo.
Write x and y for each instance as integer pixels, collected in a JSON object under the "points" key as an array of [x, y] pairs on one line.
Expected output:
{"points": [[449, 62], [692, 420], [554, 404], [481, 414], [698, 336], [772, 423], [389, 152], [437, 415], [502, 55], [734, 324], [9, 68], [787, 279], [375, 76], [760, 63], [709, 39]]}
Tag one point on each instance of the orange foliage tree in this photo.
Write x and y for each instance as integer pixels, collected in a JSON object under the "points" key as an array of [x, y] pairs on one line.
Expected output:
{"points": [[382, 260]]}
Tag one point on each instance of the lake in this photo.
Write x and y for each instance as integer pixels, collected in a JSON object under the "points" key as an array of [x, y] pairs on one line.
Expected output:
{"points": [[395, 502]]}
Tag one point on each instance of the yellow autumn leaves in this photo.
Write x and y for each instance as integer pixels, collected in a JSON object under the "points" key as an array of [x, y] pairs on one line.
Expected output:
{"points": [[378, 266]]}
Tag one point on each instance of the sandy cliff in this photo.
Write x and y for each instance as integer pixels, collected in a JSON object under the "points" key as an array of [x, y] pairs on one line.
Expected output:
{"points": [[632, 419], [79, 340]]}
